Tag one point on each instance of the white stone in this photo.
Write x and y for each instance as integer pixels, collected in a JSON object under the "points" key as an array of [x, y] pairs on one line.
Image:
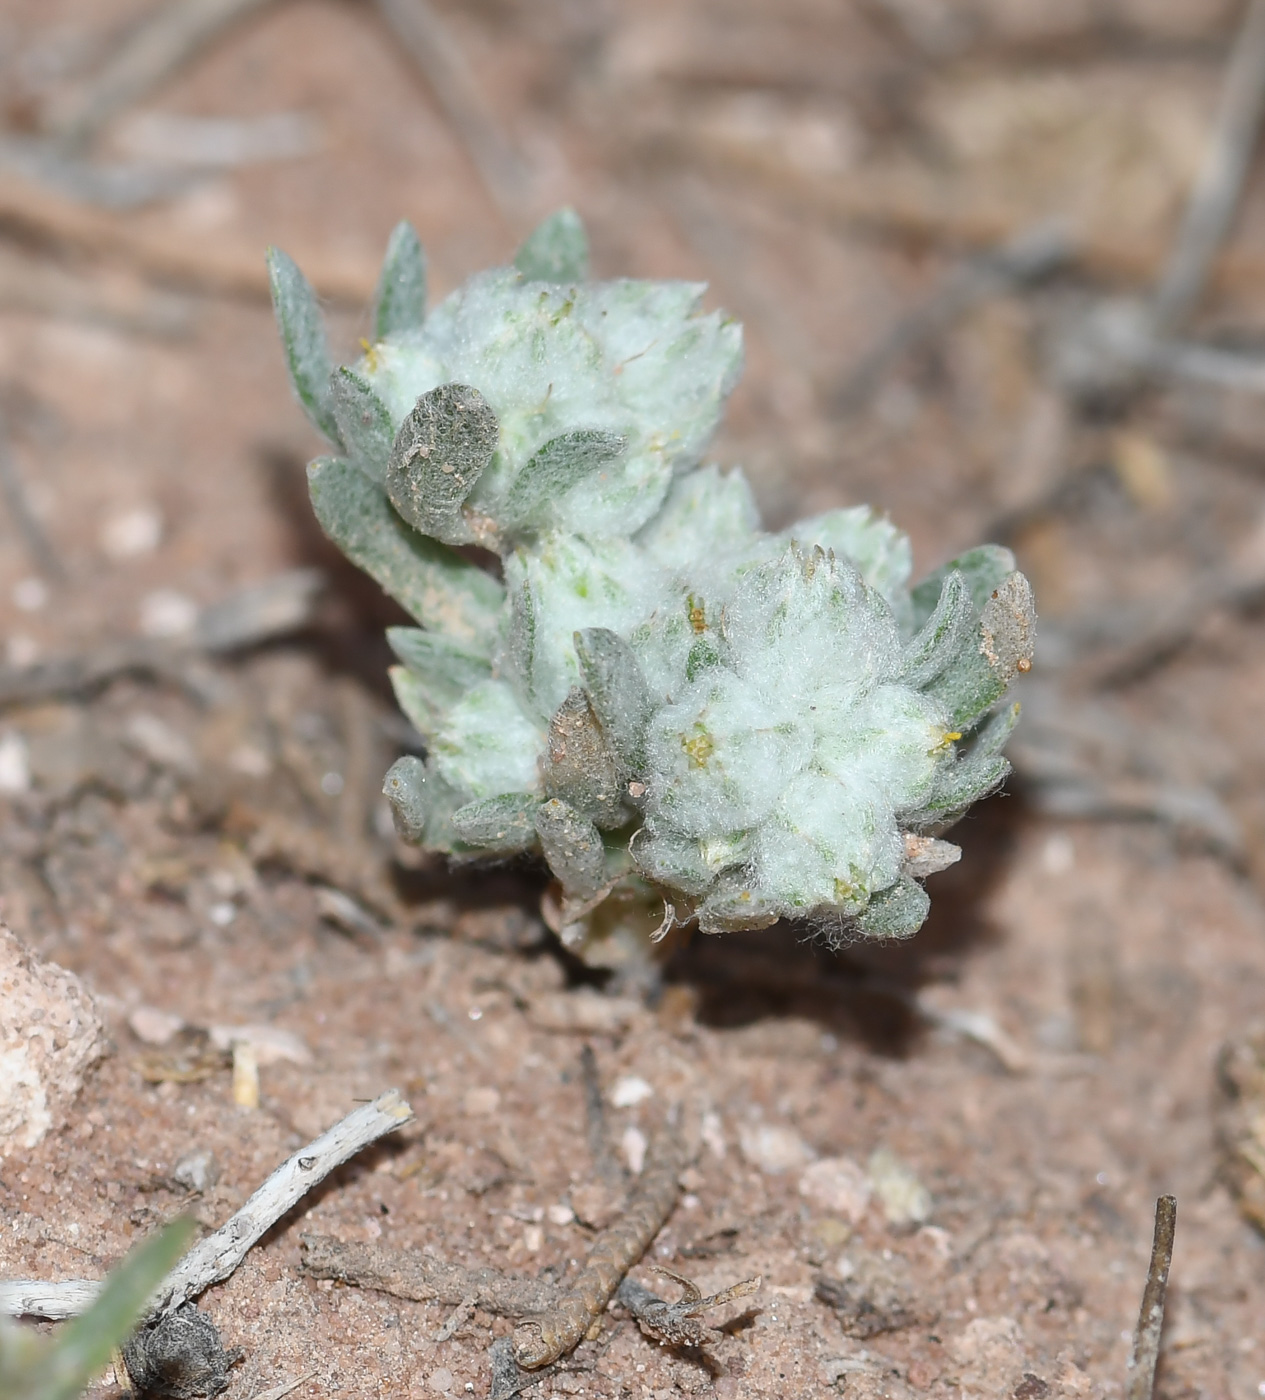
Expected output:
{"points": [[50, 1034], [153, 1026], [270, 1043], [839, 1185], [773, 1149], [132, 533], [630, 1090], [166, 613], [15, 764]]}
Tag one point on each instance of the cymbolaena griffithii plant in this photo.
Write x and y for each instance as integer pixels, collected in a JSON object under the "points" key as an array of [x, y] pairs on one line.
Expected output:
{"points": [[686, 716]]}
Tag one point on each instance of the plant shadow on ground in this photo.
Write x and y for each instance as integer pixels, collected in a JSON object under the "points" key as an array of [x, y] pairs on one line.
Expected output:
{"points": [[860, 990]]}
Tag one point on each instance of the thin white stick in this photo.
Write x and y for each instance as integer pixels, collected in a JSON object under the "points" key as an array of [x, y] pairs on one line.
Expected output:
{"points": [[215, 1257], [62, 1298]]}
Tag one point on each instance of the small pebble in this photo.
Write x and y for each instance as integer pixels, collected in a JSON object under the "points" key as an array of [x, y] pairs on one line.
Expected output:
{"points": [[197, 1171], [15, 765], [773, 1149], [166, 613], [132, 533], [630, 1090]]}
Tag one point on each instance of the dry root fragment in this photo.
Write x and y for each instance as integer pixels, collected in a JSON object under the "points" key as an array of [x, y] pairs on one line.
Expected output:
{"points": [[676, 1324], [423, 1277], [541, 1340]]}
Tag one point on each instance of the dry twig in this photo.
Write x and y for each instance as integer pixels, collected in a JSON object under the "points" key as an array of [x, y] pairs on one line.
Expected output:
{"points": [[439, 59], [1018, 262], [38, 546], [424, 1277], [216, 264], [279, 606], [216, 1257], [158, 47], [541, 1340], [1145, 1354], [1216, 194]]}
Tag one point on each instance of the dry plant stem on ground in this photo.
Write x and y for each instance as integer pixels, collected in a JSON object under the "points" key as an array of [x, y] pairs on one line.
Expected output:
{"points": [[215, 1257], [260, 613], [541, 1340], [1146, 1339], [152, 52]]}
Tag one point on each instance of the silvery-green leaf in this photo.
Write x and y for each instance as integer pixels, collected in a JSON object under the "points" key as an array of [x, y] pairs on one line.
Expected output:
{"points": [[422, 804], [896, 912], [555, 468], [573, 847], [942, 636], [735, 905], [364, 425], [441, 450], [617, 691], [500, 825], [984, 667], [421, 706], [405, 788], [672, 860], [982, 569], [578, 767], [303, 338], [445, 667], [556, 250], [485, 745], [977, 771], [399, 303], [439, 588]]}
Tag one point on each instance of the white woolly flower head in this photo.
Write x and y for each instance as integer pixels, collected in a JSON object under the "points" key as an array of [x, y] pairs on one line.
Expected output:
{"points": [[652, 694]]}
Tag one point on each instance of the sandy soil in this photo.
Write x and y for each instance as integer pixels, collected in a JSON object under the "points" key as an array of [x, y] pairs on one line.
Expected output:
{"points": [[175, 840]]}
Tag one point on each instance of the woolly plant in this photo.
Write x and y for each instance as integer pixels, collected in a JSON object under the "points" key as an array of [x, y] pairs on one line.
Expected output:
{"points": [[687, 717]]}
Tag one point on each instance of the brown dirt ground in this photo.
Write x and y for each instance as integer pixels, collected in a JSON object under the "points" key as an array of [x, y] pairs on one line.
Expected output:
{"points": [[700, 138]]}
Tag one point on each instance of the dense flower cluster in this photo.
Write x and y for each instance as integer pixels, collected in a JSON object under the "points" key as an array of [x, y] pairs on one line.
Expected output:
{"points": [[655, 695]]}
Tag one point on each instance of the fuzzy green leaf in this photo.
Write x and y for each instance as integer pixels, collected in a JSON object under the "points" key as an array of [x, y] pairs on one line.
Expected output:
{"points": [[444, 667], [500, 825], [617, 691], [422, 804], [399, 303], [556, 250], [979, 771], [303, 338], [982, 569], [421, 707], [364, 425], [735, 906], [404, 787], [672, 860], [439, 588], [579, 767], [440, 452], [573, 848], [896, 912], [981, 673], [555, 468], [941, 637]]}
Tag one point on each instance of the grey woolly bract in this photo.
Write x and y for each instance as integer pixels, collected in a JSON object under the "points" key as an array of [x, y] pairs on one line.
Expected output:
{"points": [[656, 694]]}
